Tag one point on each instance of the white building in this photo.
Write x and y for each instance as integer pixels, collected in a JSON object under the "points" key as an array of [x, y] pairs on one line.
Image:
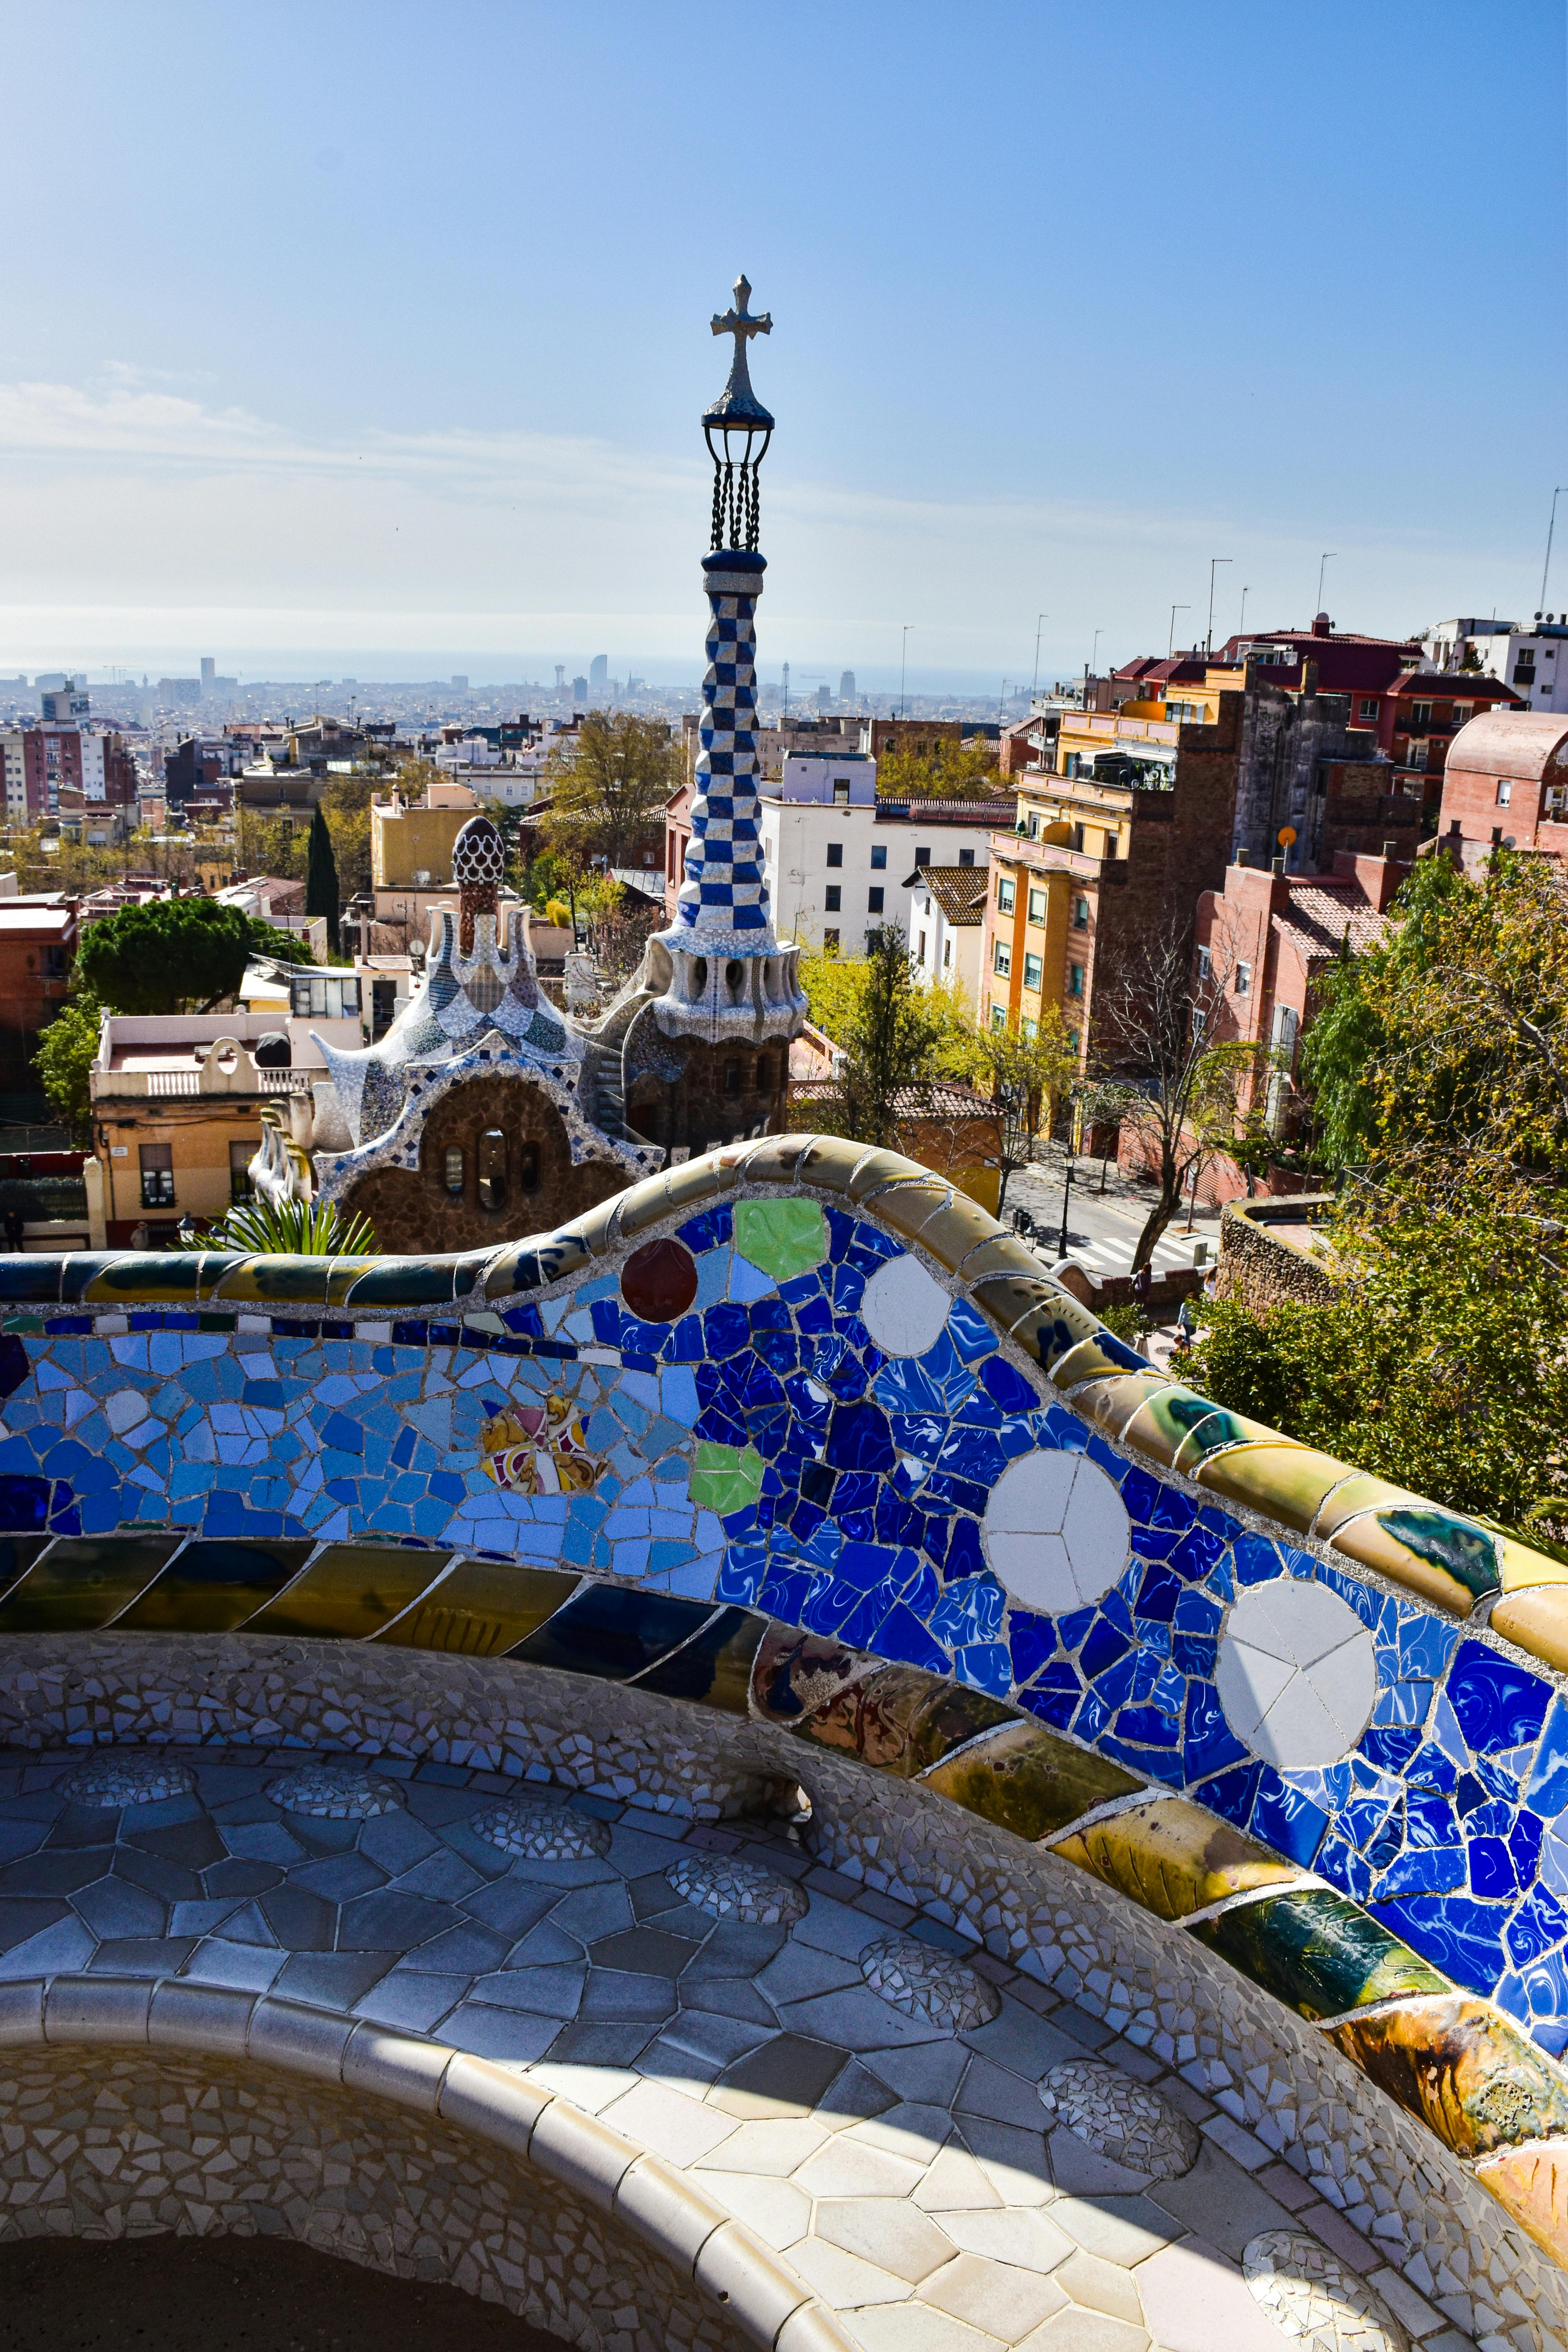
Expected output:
{"points": [[514, 778], [1533, 661], [944, 922], [836, 860]]}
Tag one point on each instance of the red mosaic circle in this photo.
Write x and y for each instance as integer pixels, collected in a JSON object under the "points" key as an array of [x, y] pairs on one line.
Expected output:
{"points": [[659, 1282]]}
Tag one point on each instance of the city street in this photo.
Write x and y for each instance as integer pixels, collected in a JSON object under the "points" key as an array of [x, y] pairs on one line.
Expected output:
{"points": [[1102, 1228]]}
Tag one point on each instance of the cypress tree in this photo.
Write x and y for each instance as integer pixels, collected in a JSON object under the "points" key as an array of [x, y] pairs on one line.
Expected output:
{"points": [[322, 878]]}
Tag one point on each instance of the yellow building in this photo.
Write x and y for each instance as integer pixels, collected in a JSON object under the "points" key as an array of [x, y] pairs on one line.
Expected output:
{"points": [[176, 1113], [1113, 838], [411, 841]]}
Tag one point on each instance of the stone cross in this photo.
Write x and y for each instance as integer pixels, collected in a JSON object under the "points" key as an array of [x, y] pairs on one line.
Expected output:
{"points": [[738, 321]]}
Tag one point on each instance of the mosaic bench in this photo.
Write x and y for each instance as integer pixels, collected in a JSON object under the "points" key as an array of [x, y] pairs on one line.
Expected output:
{"points": [[796, 1436]]}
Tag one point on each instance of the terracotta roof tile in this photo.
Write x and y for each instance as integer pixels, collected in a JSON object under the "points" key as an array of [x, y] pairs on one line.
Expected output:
{"points": [[959, 890], [941, 1099], [1319, 917]]}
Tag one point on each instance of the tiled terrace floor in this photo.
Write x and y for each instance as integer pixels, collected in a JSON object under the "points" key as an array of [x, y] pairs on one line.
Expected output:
{"points": [[910, 2173]]}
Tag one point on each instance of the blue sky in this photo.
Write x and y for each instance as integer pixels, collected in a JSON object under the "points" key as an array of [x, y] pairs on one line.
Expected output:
{"points": [[363, 334]]}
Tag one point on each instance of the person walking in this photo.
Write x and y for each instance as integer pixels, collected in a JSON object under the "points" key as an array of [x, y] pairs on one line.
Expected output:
{"points": [[1187, 1327]]}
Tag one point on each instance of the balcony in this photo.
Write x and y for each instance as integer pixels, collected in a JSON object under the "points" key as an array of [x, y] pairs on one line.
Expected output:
{"points": [[122, 1083]]}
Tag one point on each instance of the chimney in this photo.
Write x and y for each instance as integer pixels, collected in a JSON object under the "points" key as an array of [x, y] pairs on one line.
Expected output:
{"points": [[1240, 858], [1309, 677]]}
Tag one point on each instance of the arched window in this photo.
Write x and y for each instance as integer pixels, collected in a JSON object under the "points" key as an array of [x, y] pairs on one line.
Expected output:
{"points": [[492, 1161]]}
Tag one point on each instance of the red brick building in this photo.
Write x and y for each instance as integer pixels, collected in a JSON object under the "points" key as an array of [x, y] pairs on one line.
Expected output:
{"points": [[924, 738], [38, 948], [1422, 712], [53, 770], [1367, 669], [1505, 785], [1263, 939]]}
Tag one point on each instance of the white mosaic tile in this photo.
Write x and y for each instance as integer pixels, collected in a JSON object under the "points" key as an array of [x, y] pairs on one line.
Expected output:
{"points": [[542, 1832], [926, 1983], [334, 1793], [736, 1889], [1298, 1673], [1120, 2119], [127, 1781], [1056, 1531], [1315, 2300]]}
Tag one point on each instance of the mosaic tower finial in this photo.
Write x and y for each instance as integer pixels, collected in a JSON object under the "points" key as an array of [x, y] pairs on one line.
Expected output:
{"points": [[723, 894], [728, 971]]}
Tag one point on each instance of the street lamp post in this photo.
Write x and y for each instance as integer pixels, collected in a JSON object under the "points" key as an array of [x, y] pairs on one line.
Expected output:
{"points": [[1192, 1199], [1171, 641], [1035, 686], [1066, 1197], [903, 667], [1213, 560], [1551, 527]]}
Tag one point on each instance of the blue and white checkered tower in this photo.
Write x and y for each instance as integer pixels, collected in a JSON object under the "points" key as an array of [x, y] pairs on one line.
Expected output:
{"points": [[729, 975]]}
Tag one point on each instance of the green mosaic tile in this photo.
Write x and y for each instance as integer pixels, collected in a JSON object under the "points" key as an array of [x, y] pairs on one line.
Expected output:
{"points": [[784, 1237], [726, 1478], [1317, 1953], [1467, 1551], [1028, 1781], [83, 1582]]}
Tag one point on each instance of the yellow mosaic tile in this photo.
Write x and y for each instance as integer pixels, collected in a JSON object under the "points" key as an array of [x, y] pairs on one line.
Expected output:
{"points": [[1172, 1857]]}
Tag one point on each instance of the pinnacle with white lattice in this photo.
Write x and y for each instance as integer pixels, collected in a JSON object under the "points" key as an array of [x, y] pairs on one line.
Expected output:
{"points": [[723, 896]]}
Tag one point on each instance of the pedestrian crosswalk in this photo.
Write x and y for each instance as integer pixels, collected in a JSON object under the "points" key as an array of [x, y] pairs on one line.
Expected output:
{"points": [[1103, 1229]]}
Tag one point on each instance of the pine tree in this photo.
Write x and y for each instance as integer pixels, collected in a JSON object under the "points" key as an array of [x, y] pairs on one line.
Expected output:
{"points": [[322, 878]]}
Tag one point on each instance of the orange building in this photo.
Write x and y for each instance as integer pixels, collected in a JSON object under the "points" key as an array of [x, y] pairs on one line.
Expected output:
{"points": [[1112, 842]]}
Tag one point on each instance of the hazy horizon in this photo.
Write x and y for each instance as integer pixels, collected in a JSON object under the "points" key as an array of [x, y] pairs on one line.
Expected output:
{"points": [[426, 370]]}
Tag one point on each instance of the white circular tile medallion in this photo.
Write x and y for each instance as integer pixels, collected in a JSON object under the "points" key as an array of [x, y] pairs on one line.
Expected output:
{"points": [[1055, 1531], [904, 1309], [1315, 2300], [1298, 1673]]}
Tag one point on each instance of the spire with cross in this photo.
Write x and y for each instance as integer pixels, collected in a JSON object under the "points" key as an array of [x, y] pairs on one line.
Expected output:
{"points": [[738, 403], [727, 974], [737, 429]]}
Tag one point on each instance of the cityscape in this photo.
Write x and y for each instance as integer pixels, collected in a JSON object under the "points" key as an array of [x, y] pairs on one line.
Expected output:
{"points": [[783, 1338]]}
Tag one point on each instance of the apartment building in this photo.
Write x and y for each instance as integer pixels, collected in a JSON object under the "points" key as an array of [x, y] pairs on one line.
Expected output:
{"points": [[176, 1108], [1533, 661], [1110, 848], [50, 770], [836, 857]]}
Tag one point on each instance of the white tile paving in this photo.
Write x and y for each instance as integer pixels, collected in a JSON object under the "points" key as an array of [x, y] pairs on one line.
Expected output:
{"points": [[910, 2175]]}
